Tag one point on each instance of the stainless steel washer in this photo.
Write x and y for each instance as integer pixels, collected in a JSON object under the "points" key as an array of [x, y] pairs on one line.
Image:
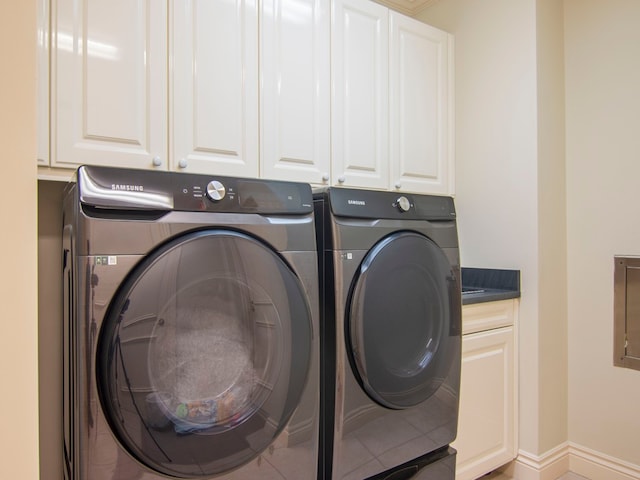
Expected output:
{"points": [[190, 327]]}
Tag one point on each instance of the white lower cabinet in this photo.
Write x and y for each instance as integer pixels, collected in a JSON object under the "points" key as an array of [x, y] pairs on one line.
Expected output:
{"points": [[487, 427]]}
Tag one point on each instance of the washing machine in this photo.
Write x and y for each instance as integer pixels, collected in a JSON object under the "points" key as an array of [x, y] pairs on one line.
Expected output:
{"points": [[391, 333], [190, 334]]}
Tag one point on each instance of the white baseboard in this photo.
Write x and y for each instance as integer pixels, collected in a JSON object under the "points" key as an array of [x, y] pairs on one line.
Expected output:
{"points": [[570, 457], [548, 466], [598, 466]]}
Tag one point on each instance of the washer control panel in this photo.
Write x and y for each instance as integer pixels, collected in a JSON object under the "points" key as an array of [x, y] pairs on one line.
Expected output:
{"points": [[128, 189], [241, 195]]}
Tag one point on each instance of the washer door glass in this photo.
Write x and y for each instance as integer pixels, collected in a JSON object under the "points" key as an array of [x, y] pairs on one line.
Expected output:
{"points": [[403, 324], [204, 354]]}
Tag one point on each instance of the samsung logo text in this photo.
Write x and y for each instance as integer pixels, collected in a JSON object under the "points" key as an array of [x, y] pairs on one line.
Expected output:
{"points": [[127, 188], [357, 202]]}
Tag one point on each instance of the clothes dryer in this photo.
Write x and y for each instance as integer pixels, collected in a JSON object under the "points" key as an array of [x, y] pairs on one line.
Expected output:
{"points": [[190, 327], [391, 334]]}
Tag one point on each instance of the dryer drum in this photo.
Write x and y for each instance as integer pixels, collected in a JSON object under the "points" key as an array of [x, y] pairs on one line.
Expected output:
{"points": [[402, 342]]}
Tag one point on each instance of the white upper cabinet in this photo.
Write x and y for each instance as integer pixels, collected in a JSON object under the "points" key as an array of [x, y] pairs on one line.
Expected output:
{"points": [[294, 90], [214, 87], [421, 107], [392, 101], [108, 95], [341, 92], [239, 87], [43, 82], [360, 81]]}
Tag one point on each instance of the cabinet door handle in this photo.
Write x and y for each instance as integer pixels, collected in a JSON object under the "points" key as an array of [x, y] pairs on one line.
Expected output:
{"points": [[341, 179], [157, 161], [325, 177], [398, 185], [183, 163]]}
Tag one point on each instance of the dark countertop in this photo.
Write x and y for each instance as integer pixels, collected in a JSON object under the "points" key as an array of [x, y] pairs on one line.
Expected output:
{"points": [[489, 284]]}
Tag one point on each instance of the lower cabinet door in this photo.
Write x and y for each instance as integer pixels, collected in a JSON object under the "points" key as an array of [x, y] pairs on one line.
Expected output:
{"points": [[487, 424]]}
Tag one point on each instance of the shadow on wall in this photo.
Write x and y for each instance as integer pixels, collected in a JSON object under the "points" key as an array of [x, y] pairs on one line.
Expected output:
{"points": [[50, 327]]}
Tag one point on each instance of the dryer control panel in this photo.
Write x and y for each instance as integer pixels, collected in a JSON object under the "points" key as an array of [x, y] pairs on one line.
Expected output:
{"points": [[354, 203]]}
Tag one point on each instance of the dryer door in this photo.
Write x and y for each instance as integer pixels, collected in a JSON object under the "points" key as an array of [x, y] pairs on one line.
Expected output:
{"points": [[403, 325], [204, 354]]}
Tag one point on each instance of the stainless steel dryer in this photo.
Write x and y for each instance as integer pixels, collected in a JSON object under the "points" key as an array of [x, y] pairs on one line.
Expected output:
{"points": [[391, 333], [190, 327]]}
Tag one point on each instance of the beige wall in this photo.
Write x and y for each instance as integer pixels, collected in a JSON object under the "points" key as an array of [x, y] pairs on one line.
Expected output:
{"points": [[18, 282], [511, 185], [50, 327], [552, 233], [568, 169], [497, 161], [603, 195]]}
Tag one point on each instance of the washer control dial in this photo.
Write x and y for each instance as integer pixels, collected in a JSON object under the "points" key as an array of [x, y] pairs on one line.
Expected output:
{"points": [[215, 191], [403, 204]]}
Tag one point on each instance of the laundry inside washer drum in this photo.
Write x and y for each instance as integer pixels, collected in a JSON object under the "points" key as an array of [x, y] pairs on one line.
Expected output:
{"points": [[185, 349]]}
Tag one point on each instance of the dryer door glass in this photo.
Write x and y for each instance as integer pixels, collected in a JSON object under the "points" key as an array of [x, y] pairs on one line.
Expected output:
{"points": [[404, 320], [204, 354]]}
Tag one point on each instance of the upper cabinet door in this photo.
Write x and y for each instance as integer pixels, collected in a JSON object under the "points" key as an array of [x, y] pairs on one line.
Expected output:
{"points": [[294, 90], [214, 87], [421, 107], [109, 67], [43, 83], [360, 89]]}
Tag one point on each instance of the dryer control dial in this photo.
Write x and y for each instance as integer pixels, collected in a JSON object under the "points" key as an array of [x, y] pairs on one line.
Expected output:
{"points": [[403, 204], [215, 191]]}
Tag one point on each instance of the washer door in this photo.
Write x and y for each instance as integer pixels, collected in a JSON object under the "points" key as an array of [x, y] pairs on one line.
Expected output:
{"points": [[204, 353], [403, 325]]}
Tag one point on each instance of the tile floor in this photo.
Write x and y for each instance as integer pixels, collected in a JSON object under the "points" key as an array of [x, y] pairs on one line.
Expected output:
{"points": [[502, 476]]}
